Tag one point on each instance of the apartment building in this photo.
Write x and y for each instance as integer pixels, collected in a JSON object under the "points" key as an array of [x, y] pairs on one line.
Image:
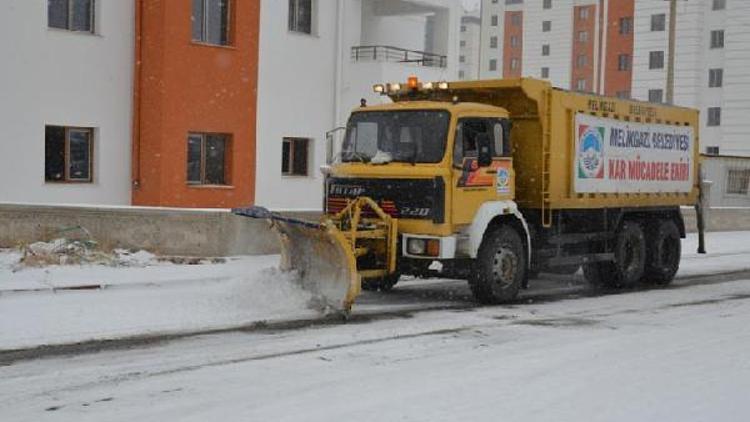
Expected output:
{"points": [[66, 101], [200, 103], [469, 42]]}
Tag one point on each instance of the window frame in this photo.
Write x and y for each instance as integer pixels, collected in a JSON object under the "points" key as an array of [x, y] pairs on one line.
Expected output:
{"points": [[292, 140], [293, 23], [718, 5], [547, 26], [746, 181], [70, 16], [67, 179], [716, 77], [717, 39], [652, 96], [546, 50], [204, 26], [659, 25], [227, 159], [623, 62], [652, 64], [714, 112], [625, 25]]}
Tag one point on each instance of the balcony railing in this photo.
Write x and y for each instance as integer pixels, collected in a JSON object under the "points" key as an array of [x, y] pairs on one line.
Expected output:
{"points": [[399, 55]]}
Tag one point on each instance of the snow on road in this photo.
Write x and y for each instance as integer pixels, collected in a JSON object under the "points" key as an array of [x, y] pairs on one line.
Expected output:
{"points": [[671, 354], [163, 299]]}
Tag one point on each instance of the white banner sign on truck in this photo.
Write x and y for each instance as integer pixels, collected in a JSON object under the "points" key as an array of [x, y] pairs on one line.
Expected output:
{"points": [[614, 156]]}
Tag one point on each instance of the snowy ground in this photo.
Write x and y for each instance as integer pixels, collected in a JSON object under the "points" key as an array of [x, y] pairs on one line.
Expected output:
{"points": [[674, 354], [159, 298]]}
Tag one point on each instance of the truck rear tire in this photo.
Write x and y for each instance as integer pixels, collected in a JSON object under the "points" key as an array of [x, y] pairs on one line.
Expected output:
{"points": [[384, 284], [500, 267], [664, 252], [630, 260]]}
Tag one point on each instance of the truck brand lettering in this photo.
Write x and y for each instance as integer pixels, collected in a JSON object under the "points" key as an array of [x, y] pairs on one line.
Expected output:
{"points": [[345, 190]]}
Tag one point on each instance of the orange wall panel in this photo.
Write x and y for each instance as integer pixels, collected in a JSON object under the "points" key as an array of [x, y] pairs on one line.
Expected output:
{"points": [[585, 48], [513, 30], [182, 87], [616, 80]]}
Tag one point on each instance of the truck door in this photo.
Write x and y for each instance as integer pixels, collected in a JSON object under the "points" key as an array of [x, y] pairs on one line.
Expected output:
{"points": [[473, 185]]}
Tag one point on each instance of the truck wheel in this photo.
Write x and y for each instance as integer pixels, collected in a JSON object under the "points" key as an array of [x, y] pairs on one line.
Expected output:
{"points": [[630, 260], [664, 253], [384, 284], [499, 270], [630, 254]]}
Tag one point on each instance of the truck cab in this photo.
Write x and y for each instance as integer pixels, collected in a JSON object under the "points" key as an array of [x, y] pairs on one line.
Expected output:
{"points": [[444, 170]]}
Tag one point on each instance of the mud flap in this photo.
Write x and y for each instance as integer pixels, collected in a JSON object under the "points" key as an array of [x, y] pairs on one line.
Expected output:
{"points": [[319, 255]]}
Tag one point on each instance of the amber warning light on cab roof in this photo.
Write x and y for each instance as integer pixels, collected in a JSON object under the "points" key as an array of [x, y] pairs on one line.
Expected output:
{"points": [[412, 84]]}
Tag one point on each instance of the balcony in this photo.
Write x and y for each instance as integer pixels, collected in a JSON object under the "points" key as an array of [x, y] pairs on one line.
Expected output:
{"points": [[385, 53]]}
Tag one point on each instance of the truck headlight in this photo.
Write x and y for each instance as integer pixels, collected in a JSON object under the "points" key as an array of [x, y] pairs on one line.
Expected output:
{"points": [[416, 246]]}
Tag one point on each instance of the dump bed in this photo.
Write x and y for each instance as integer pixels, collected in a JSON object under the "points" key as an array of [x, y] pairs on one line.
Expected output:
{"points": [[573, 150]]}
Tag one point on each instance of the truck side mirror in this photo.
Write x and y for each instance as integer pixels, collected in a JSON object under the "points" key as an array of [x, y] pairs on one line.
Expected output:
{"points": [[484, 147]]}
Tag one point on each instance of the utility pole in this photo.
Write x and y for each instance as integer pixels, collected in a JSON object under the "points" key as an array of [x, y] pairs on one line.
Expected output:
{"points": [[672, 37]]}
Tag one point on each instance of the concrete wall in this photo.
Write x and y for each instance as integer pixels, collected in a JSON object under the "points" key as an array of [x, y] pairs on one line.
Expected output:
{"points": [[58, 77], [163, 231]]}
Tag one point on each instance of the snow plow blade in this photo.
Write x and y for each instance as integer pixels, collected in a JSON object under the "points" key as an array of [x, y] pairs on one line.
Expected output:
{"points": [[319, 254]]}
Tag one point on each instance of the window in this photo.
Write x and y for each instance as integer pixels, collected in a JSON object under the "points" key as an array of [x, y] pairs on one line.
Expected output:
{"points": [[463, 28], [68, 154], [719, 5], [463, 43], [545, 50], [514, 41], [515, 19], [72, 15], [717, 39], [494, 20], [546, 26], [301, 16], [581, 85], [211, 21], [623, 62], [656, 95], [583, 13], [461, 74], [658, 22], [738, 182], [407, 136], [715, 78], [626, 25], [712, 150], [295, 156], [461, 59], [714, 116], [493, 42], [207, 159], [469, 130], [656, 60], [515, 63], [547, 4], [623, 94], [583, 36], [581, 60], [493, 64], [545, 73]]}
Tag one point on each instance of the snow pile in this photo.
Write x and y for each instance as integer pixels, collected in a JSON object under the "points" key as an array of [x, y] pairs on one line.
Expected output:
{"points": [[61, 252], [64, 252]]}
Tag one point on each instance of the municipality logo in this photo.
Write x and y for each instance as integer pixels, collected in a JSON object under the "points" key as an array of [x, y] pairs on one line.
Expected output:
{"points": [[591, 152]]}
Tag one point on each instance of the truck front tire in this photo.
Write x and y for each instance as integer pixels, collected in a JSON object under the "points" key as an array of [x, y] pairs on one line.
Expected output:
{"points": [[664, 252], [500, 267]]}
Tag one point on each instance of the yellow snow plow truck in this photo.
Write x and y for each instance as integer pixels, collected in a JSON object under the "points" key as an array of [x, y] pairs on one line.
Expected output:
{"points": [[494, 181]]}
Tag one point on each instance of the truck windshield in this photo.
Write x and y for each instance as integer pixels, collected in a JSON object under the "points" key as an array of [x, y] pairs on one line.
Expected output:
{"points": [[382, 137]]}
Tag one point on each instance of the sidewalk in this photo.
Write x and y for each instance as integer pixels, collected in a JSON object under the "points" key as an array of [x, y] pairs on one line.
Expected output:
{"points": [[60, 305]]}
